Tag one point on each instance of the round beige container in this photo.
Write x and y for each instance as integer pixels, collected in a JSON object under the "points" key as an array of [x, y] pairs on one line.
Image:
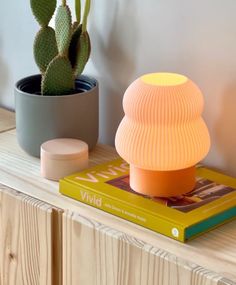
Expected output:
{"points": [[62, 157]]}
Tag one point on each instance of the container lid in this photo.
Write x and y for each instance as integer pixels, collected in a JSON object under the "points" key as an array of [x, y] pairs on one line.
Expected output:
{"points": [[64, 148]]}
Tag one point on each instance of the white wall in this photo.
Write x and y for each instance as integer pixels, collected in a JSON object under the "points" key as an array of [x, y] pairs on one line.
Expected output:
{"points": [[130, 38]]}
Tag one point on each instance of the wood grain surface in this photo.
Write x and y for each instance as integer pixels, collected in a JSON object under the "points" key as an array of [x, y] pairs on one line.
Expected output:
{"points": [[96, 254], [212, 252], [7, 120], [26, 241]]}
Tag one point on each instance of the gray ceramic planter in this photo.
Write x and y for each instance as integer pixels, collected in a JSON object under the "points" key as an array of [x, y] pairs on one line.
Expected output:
{"points": [[41, 118]]}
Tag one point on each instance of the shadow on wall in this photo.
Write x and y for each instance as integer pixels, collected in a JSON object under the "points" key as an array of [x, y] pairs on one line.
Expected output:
{"points": [[114, 59], [4, 76], [225, 130]]}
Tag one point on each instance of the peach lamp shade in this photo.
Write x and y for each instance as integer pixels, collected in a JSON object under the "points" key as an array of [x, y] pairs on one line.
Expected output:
{"points": [[162, 135]]}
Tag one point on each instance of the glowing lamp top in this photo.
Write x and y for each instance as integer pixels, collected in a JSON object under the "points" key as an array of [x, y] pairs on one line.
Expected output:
{"points": [[164, 79]]}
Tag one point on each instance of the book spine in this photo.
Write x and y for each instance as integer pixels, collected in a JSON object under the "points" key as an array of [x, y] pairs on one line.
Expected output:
{"points": [[117, 208]]}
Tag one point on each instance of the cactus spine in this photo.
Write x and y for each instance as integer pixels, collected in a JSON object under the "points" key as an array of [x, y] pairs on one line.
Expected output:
{"points": [[60, 54]]}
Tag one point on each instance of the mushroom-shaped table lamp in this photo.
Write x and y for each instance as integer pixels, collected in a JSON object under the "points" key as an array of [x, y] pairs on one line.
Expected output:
{"points": [[162, 135]]}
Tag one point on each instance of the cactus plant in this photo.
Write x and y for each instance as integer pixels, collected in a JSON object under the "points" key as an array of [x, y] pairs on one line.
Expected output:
{"points": [[60, 54]]}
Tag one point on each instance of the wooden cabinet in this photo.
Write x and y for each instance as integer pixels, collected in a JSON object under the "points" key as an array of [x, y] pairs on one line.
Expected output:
{"points": [[46, 238]]}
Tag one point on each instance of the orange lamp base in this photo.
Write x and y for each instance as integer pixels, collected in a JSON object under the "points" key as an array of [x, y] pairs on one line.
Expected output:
{"points": [[162, 183]]}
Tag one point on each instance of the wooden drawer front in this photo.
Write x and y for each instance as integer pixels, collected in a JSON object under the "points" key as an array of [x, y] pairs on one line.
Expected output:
{"points": [[96, 254], [26, 240]]}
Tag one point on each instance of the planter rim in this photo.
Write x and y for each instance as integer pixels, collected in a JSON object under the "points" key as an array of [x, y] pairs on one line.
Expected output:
{"points": [[85, 78]]}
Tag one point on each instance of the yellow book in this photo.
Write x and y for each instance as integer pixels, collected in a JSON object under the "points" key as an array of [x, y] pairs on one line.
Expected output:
{"points": [[211, 203]]}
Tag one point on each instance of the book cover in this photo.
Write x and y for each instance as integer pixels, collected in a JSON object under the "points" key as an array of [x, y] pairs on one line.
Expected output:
{"points": [[211, 203]]}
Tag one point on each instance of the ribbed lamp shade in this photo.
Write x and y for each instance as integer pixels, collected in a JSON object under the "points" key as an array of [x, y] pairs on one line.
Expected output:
{"points": [[162, 135]]}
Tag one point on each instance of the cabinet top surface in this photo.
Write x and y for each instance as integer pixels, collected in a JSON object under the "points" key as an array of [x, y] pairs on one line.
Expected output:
{"points": [[215, 250], [7, 120]]}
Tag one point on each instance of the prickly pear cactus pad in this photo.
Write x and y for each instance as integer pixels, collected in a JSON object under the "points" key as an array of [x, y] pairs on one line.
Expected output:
{"points": [[43, 10], [58, 79], [45, 47], [63, 29], [82, 53], [74, 45], [89, 45]]}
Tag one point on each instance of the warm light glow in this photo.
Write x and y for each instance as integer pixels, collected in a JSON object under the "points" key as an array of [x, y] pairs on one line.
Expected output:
{"points": [[162, 130], [164, 79]]}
